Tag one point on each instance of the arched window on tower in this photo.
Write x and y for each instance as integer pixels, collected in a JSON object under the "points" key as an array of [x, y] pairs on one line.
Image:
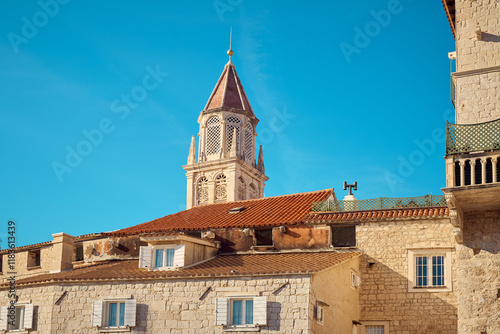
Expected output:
{"points": [[249, 156], [220, 187], [202, 191], [232, 122], [253, 191], [213, 144], [241, 188]]}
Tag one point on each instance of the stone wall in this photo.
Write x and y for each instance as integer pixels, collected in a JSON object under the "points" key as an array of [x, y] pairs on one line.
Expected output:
{"points": [[384, 271], [169, 306], [478, 274], [478, 90]]}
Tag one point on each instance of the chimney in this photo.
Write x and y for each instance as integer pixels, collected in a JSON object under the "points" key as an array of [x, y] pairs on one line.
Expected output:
{"points": [[62, 252]]}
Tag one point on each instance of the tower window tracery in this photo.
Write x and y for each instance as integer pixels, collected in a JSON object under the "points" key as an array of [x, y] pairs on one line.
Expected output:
{"points": [[213, 142], [232, 122], [249, 156], [202, 191], [253, 191], [220, 187], [241, 188]]}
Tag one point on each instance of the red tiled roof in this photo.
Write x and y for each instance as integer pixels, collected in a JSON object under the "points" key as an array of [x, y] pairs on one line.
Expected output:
{"points": [[223, 265], [269, 211], [429, 212]]}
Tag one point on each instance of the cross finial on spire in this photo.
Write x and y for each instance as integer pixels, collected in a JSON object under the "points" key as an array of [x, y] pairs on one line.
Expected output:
{"points": [[230, 52]]}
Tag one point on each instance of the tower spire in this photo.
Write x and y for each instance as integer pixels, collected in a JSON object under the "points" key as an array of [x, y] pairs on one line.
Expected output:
{"points": [[230, 51], [192, 153]]}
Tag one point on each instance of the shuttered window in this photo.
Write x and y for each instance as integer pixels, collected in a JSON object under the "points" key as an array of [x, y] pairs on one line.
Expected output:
{"points": [[114, 313], [23, 317], [161, 257], [241, 311]]}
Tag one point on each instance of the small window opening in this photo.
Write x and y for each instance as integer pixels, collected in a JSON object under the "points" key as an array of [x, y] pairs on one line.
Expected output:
{"points": [[457, 174], [478, 172], [1, 264], [34, 258], [489, 171], [264, 237], [79, 253], [237, 209], [344, 236], [467, 173]]}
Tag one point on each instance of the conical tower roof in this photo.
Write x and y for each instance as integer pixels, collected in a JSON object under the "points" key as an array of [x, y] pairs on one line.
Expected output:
{"points": [[229, 93]]}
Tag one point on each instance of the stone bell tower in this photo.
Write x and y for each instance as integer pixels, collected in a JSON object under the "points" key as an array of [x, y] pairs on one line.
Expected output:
{"points": [[226, 169]]}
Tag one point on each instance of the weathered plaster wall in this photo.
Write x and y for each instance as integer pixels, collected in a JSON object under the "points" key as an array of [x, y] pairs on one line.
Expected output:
{"points": [[333, 287]]}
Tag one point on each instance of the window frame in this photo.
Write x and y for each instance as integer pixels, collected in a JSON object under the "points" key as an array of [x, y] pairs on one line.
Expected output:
{"points": [[374, 323], [244, 300], [224, 308], [343, 226], [107, 313], [413, 254], [164, 248], [21, 321], [257, 239]]}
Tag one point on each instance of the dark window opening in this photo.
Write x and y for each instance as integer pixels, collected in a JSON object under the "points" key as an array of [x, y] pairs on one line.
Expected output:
{"points": [[196, 234], [457, 174], [34, 258], [344, 236], [467, 173], [489, 171], [79, 253], [264, 237], [1, 264], [498, 170], [478, 172]]}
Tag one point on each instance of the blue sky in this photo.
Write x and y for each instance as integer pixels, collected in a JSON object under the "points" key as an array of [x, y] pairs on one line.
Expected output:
{"points": [[345, 91]]}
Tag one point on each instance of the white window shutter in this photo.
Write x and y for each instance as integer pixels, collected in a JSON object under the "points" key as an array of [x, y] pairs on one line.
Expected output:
{"points": [[260, 311], [179, 256], [221, 311], [130, 312], [3, 318], [28, 316], [97, 311], [145, 255]]}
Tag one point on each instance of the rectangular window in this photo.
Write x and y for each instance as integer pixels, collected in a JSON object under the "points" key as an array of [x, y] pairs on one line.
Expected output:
{"points": [[18, 322], [79, 253], [34, 258], [242, 311], [374, 329], [264, 237], [343, 236], [429, 270], [164, 257], [116, 314]]}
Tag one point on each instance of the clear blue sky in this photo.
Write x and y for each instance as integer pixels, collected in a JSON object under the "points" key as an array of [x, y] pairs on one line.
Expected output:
{"points": [[344, 90]]}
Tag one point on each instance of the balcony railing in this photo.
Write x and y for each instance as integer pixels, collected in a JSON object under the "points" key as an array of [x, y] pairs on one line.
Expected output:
{"points": [[466, 138], [379, 203]]}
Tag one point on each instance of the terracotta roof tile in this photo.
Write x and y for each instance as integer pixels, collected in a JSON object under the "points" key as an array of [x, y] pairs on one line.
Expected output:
{"points": [[223, 265], [419, 213], [269, 211]]}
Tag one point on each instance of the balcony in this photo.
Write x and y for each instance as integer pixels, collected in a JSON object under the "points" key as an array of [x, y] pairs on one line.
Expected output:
{"points": [[467, 138]]}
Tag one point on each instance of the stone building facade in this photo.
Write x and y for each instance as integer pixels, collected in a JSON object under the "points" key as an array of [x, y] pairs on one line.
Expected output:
{"points": [[237, 262]]}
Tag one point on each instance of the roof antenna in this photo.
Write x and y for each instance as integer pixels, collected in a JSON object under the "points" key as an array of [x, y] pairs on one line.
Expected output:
{"points": [[230, 52]]}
